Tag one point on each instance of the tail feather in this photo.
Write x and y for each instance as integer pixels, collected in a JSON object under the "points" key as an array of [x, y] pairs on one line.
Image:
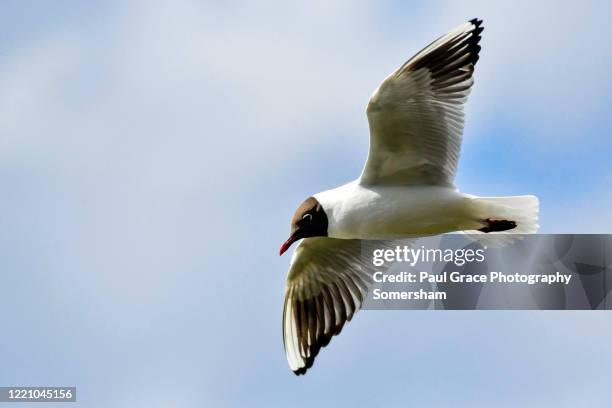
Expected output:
{"points": [[504, 215]]}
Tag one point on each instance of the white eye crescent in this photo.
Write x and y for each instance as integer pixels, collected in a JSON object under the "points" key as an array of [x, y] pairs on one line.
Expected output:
{"points": [[307, 217]]}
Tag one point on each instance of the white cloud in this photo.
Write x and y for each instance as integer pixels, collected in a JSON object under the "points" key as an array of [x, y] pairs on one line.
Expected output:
{"points": [[136, 134]]}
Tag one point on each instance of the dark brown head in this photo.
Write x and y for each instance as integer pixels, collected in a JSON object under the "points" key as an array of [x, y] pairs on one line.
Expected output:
{"points": [[309, 220]]}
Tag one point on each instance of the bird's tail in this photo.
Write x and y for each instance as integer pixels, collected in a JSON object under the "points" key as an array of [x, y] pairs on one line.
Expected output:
{"points": [[502, 218]]}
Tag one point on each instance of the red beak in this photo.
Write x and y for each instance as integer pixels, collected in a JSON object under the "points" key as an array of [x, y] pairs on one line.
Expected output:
{"points": [[287, 244]]}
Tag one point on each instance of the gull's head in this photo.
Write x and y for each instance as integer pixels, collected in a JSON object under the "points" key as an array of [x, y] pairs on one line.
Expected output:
{"points": [[309, 220]]}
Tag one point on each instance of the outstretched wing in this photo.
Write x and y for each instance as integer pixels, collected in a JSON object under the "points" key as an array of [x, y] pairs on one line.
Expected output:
{"points": [[327, 283], [416, 114]]}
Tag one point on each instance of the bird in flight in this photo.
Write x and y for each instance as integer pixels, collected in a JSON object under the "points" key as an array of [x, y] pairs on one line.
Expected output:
{"points": [[406, 190]]}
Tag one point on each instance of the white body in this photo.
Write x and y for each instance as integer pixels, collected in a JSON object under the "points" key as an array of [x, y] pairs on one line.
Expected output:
{"points": [[355, 211]]}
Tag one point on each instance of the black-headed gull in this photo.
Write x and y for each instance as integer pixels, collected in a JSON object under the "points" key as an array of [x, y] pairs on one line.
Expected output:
{"points": [[406, 189]]}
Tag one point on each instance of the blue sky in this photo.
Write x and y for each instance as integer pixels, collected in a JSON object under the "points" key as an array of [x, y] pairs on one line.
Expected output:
{"points": [[152, 154]]}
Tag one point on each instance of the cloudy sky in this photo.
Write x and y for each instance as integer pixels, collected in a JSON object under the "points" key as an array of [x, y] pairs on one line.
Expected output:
{"points": [[153, 152]]}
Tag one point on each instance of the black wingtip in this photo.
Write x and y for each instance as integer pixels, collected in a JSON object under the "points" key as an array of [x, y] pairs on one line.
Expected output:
{"points": [[308, 363], [478, 24], [474, 46], [302, 370]]}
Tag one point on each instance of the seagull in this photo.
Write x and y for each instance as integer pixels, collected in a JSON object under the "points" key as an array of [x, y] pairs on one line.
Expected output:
{"points": [[405, 190]]}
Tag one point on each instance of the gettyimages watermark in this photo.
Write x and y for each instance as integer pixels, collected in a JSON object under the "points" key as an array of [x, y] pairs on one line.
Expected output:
{"points": [[462, 272]]}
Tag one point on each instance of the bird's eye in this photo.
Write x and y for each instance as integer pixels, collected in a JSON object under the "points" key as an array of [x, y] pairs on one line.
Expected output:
{"points": [[307, 217]]}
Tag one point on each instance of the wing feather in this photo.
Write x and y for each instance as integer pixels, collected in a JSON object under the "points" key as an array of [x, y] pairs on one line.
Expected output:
{"points": [[416, 114], [327, 283]]}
